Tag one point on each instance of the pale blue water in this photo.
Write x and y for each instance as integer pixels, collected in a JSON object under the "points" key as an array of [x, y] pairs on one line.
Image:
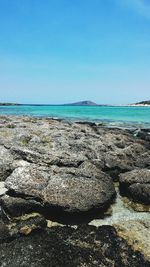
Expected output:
{"points": [[131, 116]]}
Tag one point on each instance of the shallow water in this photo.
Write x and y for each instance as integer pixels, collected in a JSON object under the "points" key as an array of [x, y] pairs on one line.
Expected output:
{"points": [[120, 116], [121, 213]]}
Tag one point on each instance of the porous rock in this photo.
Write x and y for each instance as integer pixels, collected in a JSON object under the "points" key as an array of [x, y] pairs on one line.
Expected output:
{"points": [[59, 188], [136, 185], [6, 161]]}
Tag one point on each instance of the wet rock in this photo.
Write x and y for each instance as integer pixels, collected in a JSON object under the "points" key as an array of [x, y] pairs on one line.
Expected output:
{"points": [[144, 134], [84, 246], [136, 185], [140, 193]]}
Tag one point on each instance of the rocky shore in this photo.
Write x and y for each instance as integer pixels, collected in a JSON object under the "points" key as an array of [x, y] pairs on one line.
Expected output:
{"points": [[73, 194]]}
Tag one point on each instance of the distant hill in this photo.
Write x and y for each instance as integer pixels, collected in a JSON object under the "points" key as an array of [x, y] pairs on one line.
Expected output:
{"points": [[82, 103], [143, 103]]}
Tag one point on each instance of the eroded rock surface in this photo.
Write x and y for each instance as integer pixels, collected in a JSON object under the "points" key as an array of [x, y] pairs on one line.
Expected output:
{"points": [[63, 171], [6, 161], [136, 185], [62, 188], [68, 165]]}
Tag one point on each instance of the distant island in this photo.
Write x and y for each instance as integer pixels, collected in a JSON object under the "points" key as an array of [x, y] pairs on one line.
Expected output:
{"points": [[82, 103]]}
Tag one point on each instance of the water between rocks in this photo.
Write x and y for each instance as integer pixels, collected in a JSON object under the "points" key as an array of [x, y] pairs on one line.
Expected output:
{"points": [[121, 213]]}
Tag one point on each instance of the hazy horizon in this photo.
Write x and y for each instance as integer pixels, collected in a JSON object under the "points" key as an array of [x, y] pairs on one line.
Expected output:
{"points": [[59, 104], [61, 51]]}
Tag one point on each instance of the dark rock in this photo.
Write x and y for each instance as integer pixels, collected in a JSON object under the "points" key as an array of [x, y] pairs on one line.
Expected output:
{"points": [[91, 124], [63, 246], [144, 134], [4, 233], [140, 193], [24, 225], [136, 176], [143, 161], [136, 185], [122, 160], [17, 206], [59, 188]]}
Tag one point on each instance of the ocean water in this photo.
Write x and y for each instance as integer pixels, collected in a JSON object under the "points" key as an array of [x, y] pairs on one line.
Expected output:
{"points": [[118, 115]]}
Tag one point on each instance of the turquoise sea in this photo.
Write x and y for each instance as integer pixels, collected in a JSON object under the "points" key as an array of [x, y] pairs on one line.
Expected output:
{"points": [[118, 115]]}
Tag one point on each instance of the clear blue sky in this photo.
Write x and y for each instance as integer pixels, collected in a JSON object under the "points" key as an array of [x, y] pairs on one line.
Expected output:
{"points": [[59, 51]]}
